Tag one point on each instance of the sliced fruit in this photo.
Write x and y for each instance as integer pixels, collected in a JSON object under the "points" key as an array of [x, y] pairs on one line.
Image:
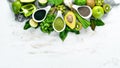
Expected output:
{"points": [[70, 19], [78, 26], [91, 3], [106, 8], [43, 2], [16, 6], [27, 1], [33, 23], [99, 2]]}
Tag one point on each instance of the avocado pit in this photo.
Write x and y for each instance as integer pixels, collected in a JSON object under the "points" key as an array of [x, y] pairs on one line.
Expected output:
{"points": [[70, 18]]}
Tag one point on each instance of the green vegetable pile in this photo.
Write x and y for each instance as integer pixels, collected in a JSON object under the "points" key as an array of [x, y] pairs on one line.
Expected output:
{"points": [[46, 25], [23, 10]]}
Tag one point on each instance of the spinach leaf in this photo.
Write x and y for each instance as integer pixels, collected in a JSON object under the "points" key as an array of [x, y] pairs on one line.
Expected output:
{"points": [[99, 22], [63, 35], [96, 22], [27, 25]]}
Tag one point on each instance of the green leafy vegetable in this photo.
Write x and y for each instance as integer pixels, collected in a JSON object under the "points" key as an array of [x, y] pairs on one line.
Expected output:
{"points": [[27, 25], [96, 22], [99, 22], [85, 23], [80, 2], [46, 25], [55, 2], [61, 8], [64, 34]]}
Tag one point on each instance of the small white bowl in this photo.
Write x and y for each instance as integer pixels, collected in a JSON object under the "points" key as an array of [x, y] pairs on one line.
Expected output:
{"points": [[46, 9], [86, 17], [59, 14]]}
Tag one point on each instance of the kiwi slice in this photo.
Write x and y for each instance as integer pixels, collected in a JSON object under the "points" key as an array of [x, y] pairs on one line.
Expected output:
{"points": [[106, 8], [78, 26]]}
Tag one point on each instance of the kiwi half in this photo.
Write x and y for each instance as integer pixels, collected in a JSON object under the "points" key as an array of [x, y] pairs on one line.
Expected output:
{"points": [[78, 26], [106, 8]]}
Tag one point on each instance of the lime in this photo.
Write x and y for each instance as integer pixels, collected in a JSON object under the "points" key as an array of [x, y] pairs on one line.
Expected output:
{"points": [[16, 6]]}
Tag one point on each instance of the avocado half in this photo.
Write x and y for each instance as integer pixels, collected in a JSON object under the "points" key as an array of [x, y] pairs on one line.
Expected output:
{"points": [[27, 1], [70, 19]]}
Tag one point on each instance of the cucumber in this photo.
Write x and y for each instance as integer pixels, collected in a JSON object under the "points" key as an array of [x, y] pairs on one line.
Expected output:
{"points": [[33, 23], [27, 1], [42, 2]]}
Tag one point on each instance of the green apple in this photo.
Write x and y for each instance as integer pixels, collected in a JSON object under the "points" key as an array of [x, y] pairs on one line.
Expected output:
{"points": [[97, 12]]}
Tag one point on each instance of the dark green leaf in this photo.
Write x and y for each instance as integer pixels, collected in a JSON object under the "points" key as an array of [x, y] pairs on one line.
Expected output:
{"points": [[99, 22], [27, 25], [71, 30], [63, 35], [75, 31], [93, 24]]}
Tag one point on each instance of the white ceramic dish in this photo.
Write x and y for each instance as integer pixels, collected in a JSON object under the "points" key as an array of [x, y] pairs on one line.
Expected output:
{"points": [[86, 17], [46, 9], [59, 14]]}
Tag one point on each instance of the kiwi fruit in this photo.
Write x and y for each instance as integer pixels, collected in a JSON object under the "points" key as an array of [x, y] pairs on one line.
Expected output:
{"points": [[78, 26], [91, 3], [106, 8]]}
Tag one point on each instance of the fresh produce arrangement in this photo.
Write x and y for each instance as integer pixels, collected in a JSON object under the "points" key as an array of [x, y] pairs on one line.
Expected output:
{"points": [[61, 16]]}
